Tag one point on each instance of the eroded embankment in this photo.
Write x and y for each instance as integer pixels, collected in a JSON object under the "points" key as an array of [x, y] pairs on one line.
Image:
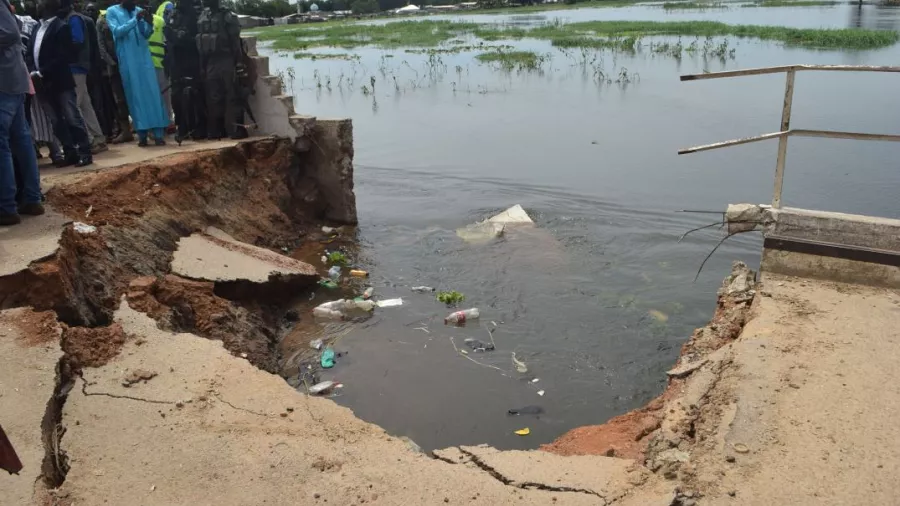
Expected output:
{"points": [[640, 434], [260, 192]]}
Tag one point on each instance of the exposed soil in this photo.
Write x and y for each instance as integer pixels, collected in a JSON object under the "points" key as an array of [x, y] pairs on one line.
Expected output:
{"points": [[36, 327], [185, 305], [92, 346], [630, 434], [257, 192]]}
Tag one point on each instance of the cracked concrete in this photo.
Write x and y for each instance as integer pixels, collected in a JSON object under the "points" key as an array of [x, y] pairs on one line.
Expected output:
{"points": [[243, 436], [28, 357], [216, 256]]}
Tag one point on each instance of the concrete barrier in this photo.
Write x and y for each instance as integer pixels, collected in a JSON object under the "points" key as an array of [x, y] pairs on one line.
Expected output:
{"points": [[324, 144], [825, 245]]}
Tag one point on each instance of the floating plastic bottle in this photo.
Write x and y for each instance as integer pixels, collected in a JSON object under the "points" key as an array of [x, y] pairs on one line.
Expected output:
{"points": [[335, 272], [357, 273], [422, 289], [460, 317], [368, 293], [337, 309]]}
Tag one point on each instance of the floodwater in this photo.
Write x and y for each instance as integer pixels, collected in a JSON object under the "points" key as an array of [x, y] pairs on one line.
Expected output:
{"points": [[598, 297]]}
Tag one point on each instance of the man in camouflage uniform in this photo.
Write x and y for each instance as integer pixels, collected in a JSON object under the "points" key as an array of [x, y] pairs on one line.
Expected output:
{"points": [[221, 63], [183, 65]]}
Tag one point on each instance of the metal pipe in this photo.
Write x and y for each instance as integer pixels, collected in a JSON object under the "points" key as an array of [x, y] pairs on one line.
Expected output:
{"points": [[733, 142], [783, 141], [788, 68], [845, 135]]}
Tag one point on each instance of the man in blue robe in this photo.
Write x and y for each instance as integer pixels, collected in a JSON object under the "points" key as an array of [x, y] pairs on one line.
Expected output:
{"points": [[131, 26]]}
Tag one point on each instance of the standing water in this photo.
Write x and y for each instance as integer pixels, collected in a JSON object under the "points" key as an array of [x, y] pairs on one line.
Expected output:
{"points": [[590, 306]]}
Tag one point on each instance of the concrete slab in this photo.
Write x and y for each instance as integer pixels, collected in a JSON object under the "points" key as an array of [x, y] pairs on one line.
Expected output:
{"points": [[35, 238], [605, 477], [29, 351], [212, 428], [216, 256], [124, 154]]}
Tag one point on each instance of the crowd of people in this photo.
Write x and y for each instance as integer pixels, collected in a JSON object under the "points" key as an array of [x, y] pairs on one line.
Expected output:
{"points": [[73, 80]]}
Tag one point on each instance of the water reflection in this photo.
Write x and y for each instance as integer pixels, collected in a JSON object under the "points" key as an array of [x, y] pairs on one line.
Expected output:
{"points": [[875, 16]]}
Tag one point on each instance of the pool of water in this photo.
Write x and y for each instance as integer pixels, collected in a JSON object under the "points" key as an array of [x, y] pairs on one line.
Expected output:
{"points": [[599, 296]]}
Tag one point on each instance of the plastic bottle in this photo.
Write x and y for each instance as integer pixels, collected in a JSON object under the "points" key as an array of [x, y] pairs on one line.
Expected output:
{"points": [[365, 305], [422, 289], [357, 273], [368, 293], [335, 272], [460, 317], [328, 313]]}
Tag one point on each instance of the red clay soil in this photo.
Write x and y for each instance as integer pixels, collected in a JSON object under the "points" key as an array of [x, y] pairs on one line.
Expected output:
{"points": [[627, 435], [35, 327], [186, 305], [246, 189], [93, 347]]}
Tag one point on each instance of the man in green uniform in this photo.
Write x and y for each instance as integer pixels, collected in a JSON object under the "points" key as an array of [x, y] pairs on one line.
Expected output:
{"points": [[221, 61]]}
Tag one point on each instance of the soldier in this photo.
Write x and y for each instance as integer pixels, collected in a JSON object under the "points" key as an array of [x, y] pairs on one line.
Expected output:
{"points": [[183, 65], [221, 62]]}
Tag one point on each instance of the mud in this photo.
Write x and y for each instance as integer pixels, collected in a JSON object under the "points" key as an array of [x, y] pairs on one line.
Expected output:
{"points": [[631, 435]]}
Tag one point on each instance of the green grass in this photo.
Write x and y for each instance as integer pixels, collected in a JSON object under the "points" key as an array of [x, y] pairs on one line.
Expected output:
{"points": [[788, 3], [560, 6], [599, 34], [671, 6], [847, 38], [620, 44], [521, 61], [347, 34]]}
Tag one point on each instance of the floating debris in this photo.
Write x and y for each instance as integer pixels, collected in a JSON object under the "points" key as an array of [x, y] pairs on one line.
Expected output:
{"points": [[521, 368], [321, 388], [390, 302], [523, 432], [658, 315]]}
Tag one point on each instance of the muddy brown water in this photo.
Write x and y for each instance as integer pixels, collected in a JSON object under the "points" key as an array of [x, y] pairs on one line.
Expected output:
{"points": [[596, 168]]}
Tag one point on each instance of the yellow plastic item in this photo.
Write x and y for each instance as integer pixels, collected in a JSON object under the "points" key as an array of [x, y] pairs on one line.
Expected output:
{"points": [[356, 273], [524, 432]]}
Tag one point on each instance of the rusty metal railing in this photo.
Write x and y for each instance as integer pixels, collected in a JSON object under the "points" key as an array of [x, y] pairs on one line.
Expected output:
{"points": [[785, 131]]}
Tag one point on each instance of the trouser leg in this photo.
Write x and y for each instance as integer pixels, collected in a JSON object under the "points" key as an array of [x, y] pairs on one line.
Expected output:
{"points": [[69, 116], [86, 108], [16, 144], [118, 91], [165, 96], [7, 169], [216, 100]]}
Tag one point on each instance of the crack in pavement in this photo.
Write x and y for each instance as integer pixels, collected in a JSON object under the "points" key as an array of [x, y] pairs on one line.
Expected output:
{"points": [[257, 413], [527, 484], [117, 396]]}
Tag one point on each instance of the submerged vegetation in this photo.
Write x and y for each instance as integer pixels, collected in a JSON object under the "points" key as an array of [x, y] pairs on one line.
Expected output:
{"points": [[596, 34], [325, 56], [792, 3], [671, 6], [515, 60]]}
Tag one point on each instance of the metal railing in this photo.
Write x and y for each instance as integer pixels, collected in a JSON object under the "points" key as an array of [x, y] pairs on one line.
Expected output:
{"points": [[785, 131]]}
